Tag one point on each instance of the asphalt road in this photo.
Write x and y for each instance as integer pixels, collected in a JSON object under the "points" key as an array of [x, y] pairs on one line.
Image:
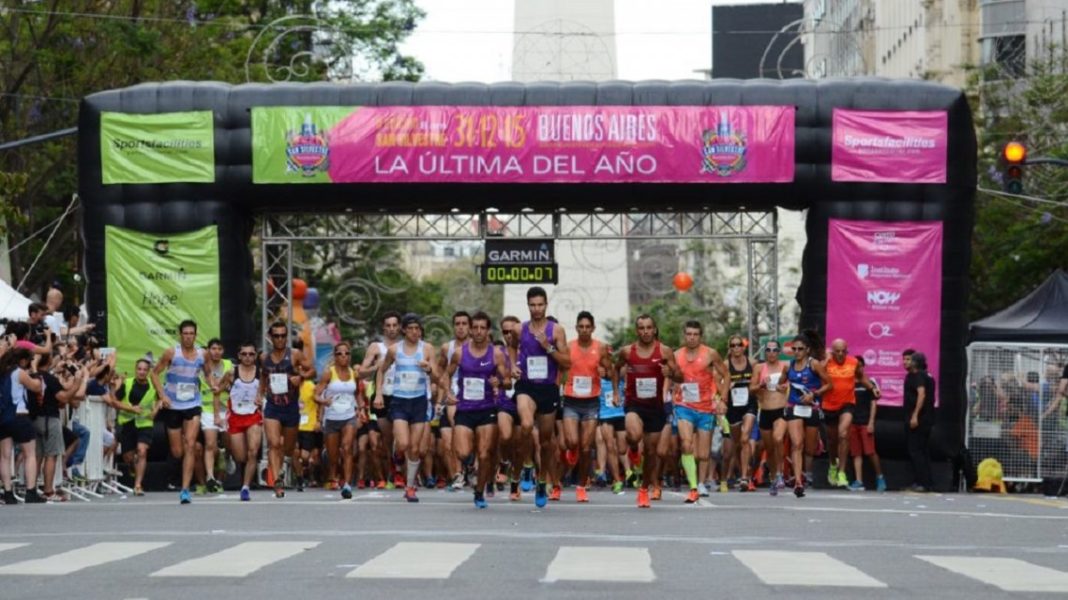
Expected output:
{"points": [[313, 545]]}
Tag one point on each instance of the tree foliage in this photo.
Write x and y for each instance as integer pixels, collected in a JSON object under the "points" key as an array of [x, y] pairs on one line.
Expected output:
{"points": [[1018, 242]]}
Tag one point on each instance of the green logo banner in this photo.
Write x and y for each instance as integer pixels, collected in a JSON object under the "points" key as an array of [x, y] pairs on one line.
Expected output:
{"points": [[158, 148], [156, 281], [291, 144]]}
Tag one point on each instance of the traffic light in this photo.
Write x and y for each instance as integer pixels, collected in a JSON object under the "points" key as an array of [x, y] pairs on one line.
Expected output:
{"points": [[1014, 155]]}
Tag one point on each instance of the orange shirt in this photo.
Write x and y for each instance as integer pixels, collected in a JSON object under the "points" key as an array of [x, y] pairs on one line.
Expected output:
{"points": [[583, 380], [698, 386], [843, 383]]}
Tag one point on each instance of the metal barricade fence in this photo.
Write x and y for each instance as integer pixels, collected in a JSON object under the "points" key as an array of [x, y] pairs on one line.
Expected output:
{"points": [[1014, 412]]}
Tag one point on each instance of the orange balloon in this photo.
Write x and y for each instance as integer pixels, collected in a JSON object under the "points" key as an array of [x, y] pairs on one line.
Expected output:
{"points": [[683, 282], [300, 289]]}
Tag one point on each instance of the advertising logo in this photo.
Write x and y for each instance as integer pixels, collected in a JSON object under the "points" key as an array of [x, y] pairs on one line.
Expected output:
{"points": [[877, 330], [307, 152], [862, 270], [883, 298], [725, 149]]}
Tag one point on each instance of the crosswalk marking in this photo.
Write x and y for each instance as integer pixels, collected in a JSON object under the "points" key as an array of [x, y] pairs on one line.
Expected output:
{"points": [[416, 560], [238, 561], [803, 568], [11, 546], [600, 563], [1009, 574], [71, 561]]}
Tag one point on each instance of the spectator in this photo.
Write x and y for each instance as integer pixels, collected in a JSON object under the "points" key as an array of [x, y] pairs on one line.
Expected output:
{"points": [[22, 333], [57, 319], [919, 410], [16, 367], [57, 393], [38, 329]]}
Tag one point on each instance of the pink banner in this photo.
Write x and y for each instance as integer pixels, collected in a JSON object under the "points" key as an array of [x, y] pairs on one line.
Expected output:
{"points": [[889, 146], [564, 144], [884, 294]]}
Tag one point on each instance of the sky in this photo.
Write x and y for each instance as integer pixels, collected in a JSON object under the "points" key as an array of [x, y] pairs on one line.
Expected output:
{"points": [[471, 40]]}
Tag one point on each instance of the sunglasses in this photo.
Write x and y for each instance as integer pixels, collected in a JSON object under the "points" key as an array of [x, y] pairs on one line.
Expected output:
{"points": [[736, 345], [800, 348], [341, 354], [278, 336], [770, 349], [246, 354]]}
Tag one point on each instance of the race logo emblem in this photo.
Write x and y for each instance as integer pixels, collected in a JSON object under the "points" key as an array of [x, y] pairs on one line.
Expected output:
{"points": [[307, 152], [724, 149]]}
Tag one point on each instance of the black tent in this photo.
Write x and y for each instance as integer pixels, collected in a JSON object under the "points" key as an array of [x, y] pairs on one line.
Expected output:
{"points": [[1041, 316]]}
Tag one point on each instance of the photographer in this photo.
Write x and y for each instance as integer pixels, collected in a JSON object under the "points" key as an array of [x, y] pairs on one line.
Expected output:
{"points": [[57, 393], [19, 335]]}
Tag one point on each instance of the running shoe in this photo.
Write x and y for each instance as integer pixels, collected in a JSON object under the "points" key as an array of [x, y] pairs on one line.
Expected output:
{"points": [[799, 491], [541, 498], [856, 486], [214, 487], [442, 483], [702, 490], [480, 500], [843, 480], [526, 479], [346, 492], [657, 493], [743, 485], [245, 495], [692, 497], [184, 497], [279, 491], [617, 488], [571, 456], [138, 491], [634, 458], [807, 479], [201, 490], [457, 482], [409, 495], [398, 480], [580, 494], [880, 484], [776, 485], [643, 497], [723, 487], [381, 484], [361, 485], [390, 486], [554, 495], [9, 497], [601, 480], [752, 485], [832, 474], [515, 496]]}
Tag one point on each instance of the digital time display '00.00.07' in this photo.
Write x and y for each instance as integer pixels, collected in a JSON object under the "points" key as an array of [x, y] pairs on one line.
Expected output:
{"points": [[517, 273]]}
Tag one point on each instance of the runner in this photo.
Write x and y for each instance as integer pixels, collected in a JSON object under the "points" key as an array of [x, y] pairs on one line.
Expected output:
{"points": [[244, 414], [769, 384], [838, 405], [182, 403], [310, 438], [284, 370], [581, 394], [213, 412], [338, 391], [481, 371], [613, 429], [415, 368], [697, 404], [135, 428], [510, 443], [648, 362], [808, 381], [372, 360], [540, 355], [741, 412], [461, 330]]}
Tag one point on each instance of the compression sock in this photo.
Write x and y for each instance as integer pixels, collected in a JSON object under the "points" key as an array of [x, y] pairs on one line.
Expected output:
{"points": [[413, 470], [690, 466]]}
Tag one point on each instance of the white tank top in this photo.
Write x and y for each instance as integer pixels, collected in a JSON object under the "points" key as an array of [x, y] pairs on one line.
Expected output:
{"points": [[342, 395], [243, 394]]}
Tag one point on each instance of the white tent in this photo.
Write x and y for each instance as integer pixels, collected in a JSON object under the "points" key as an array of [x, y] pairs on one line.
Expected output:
{"points": [[13, 305]]}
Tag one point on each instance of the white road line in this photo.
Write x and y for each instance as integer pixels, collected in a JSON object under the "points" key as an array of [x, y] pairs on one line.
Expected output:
{"points": [[416, 560], [238, 561], [82, 558], [601, 563], [11, 546], [1009, 574], [803, 568]]}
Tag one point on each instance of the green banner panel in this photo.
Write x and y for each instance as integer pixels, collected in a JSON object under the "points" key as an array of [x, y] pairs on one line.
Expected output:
{"points": [[291, 144], [159, 148]]}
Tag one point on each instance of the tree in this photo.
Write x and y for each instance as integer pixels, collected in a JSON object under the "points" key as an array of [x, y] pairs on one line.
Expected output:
{"points": [[1018, 242], [55, 52]]}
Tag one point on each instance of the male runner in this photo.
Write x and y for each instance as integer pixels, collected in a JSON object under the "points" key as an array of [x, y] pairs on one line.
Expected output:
{"points": [[284, 371], [838, 405], [741, 411], [541, 354], [372, 360], [480, 370], [461, 329], [649, 363], [245, 417], [697, 402], [581, 394], [184, 364], [416, 367], [769, 384], [510, 444], [213, 411], [613, 431]]}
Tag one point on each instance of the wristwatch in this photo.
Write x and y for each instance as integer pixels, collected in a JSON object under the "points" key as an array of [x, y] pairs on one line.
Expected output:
{"points": [[551, 349]]}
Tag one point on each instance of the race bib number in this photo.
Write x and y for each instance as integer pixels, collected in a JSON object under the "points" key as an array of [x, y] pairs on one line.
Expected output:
{"points": [[609, 397], [802, 410], [279, 383], [739, 396], [474, 388], [408, 381], [243, 403], [690, 393], [387, 382], [186, 392], [645, 387], [344, 402], [538, 367], [773, 381], [582, 386]]}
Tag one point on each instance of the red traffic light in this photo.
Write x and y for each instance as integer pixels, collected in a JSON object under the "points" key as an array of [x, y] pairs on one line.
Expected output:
{"points": [[1014, 152]]}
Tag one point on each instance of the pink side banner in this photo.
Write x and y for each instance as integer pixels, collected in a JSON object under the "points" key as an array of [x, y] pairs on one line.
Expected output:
{"points": [[889, 146], [884, 294], [565, 144]]}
